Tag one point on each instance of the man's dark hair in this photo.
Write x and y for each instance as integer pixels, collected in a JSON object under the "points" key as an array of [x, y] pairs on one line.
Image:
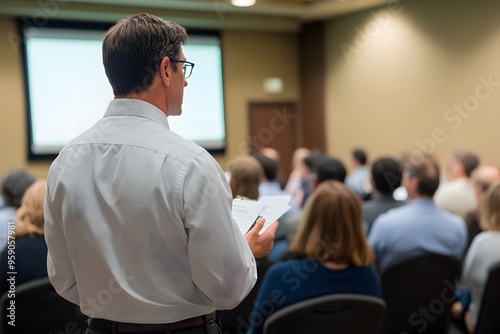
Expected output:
{"points": [[13, 186], [427, 174], [360, 156], [330, 168], [270, 166], [468, 160], [312, 160], [133, 49], [386, 175]]}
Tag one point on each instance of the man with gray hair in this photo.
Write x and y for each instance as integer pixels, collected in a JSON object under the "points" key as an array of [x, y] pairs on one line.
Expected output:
{"points": [[457, 196]]}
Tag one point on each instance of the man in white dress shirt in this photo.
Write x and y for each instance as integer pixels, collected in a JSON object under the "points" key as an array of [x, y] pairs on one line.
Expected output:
{"points": [[138, 219]]}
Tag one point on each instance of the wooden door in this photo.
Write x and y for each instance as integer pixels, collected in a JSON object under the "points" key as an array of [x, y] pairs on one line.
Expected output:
{"points": [[274, 125]]}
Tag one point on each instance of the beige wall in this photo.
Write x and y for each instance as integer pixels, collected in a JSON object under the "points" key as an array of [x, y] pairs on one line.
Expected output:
{"points": [[403, 70], [12, 110], [248, 58]]}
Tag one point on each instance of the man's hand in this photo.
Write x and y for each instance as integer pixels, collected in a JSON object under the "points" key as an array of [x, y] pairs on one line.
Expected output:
{"points": [[262, 244]]}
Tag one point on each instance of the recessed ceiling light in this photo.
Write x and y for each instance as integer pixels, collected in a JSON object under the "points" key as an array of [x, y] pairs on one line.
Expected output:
{"points": [[243, 3]]}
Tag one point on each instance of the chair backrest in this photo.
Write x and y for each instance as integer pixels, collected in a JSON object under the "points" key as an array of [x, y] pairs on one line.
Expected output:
{"points": [[39, 309], [335, 313], [419, 293], [489, 313]]}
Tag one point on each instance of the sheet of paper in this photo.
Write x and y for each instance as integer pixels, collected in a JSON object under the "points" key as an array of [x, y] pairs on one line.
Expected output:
{"points": [[246, 211]]}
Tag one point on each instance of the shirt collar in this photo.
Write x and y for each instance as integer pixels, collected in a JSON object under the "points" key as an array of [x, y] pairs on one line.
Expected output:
{"points": [[138, 108], [423, 201]]}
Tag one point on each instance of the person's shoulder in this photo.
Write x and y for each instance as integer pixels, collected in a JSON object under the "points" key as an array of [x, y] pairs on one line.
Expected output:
{"points": [[368, 269], [393, 213], [487, 237], [450, 217], [371, 204], [283, 266]]}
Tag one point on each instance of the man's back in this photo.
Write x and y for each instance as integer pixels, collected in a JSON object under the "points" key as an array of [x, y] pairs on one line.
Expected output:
{"points": [[416, 228], [138, 207]]}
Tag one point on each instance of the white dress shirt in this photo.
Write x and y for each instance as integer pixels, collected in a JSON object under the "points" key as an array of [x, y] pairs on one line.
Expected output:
{"points": [[138, 223], [457, 196]]}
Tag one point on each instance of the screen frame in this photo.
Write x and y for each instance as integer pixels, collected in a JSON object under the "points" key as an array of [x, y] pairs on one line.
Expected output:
{"points": [[23, 23]]}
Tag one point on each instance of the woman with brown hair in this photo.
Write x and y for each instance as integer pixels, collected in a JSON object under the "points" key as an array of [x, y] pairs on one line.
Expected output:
{"points": [[26, 240], [329, 255]]}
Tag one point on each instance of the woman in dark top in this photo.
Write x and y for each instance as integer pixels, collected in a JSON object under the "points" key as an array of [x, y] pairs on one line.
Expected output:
{"points": [[330, 255], [27, 241]]}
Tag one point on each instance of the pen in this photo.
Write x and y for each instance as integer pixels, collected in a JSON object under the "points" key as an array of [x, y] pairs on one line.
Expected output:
{"points": [[255, 222]]}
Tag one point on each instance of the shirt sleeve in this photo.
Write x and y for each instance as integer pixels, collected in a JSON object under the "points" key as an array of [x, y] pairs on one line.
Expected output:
{"points": [[59, 267], [223, 267]]}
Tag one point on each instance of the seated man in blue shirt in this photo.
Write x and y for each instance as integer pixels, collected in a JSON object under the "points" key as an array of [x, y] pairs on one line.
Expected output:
{"points": [[418, 227]]}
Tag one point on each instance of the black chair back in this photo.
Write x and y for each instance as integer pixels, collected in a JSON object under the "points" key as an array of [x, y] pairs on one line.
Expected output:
{"points": [[419, 293], [488, 321], [335, 313], [39, 309]]}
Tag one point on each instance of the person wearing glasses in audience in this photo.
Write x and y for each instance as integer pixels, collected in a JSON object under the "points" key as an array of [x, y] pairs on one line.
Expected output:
{"points": [[138, 219]]}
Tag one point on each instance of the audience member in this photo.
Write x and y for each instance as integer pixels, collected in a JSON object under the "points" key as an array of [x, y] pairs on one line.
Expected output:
{"points": [[29, 243], [484, 253], [311, 162], [275, 155], [269, 186], [418, 227], [482, 177], [385, 178], [457, 196], [359, 180], [12, 188], [330, 168], [299, 174], [329, 255], [326, 168], [245, 175]]}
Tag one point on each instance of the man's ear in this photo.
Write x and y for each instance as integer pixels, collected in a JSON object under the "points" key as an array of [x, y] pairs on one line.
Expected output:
{"points": [[165, 70]]}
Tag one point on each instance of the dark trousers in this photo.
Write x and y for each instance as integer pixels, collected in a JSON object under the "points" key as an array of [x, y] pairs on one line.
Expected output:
{"points": [[208, 328]]}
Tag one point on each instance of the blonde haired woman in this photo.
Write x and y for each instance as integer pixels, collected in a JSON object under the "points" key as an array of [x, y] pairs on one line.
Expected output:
{"points": [[329, 255], [483, 254], [26, 240]]}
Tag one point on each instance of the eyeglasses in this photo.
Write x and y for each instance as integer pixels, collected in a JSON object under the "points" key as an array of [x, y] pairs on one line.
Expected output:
{"points": [[187, 68]]}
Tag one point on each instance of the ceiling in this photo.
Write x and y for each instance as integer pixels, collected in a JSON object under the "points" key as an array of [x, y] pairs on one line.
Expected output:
{"points": [[284, 15]]}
